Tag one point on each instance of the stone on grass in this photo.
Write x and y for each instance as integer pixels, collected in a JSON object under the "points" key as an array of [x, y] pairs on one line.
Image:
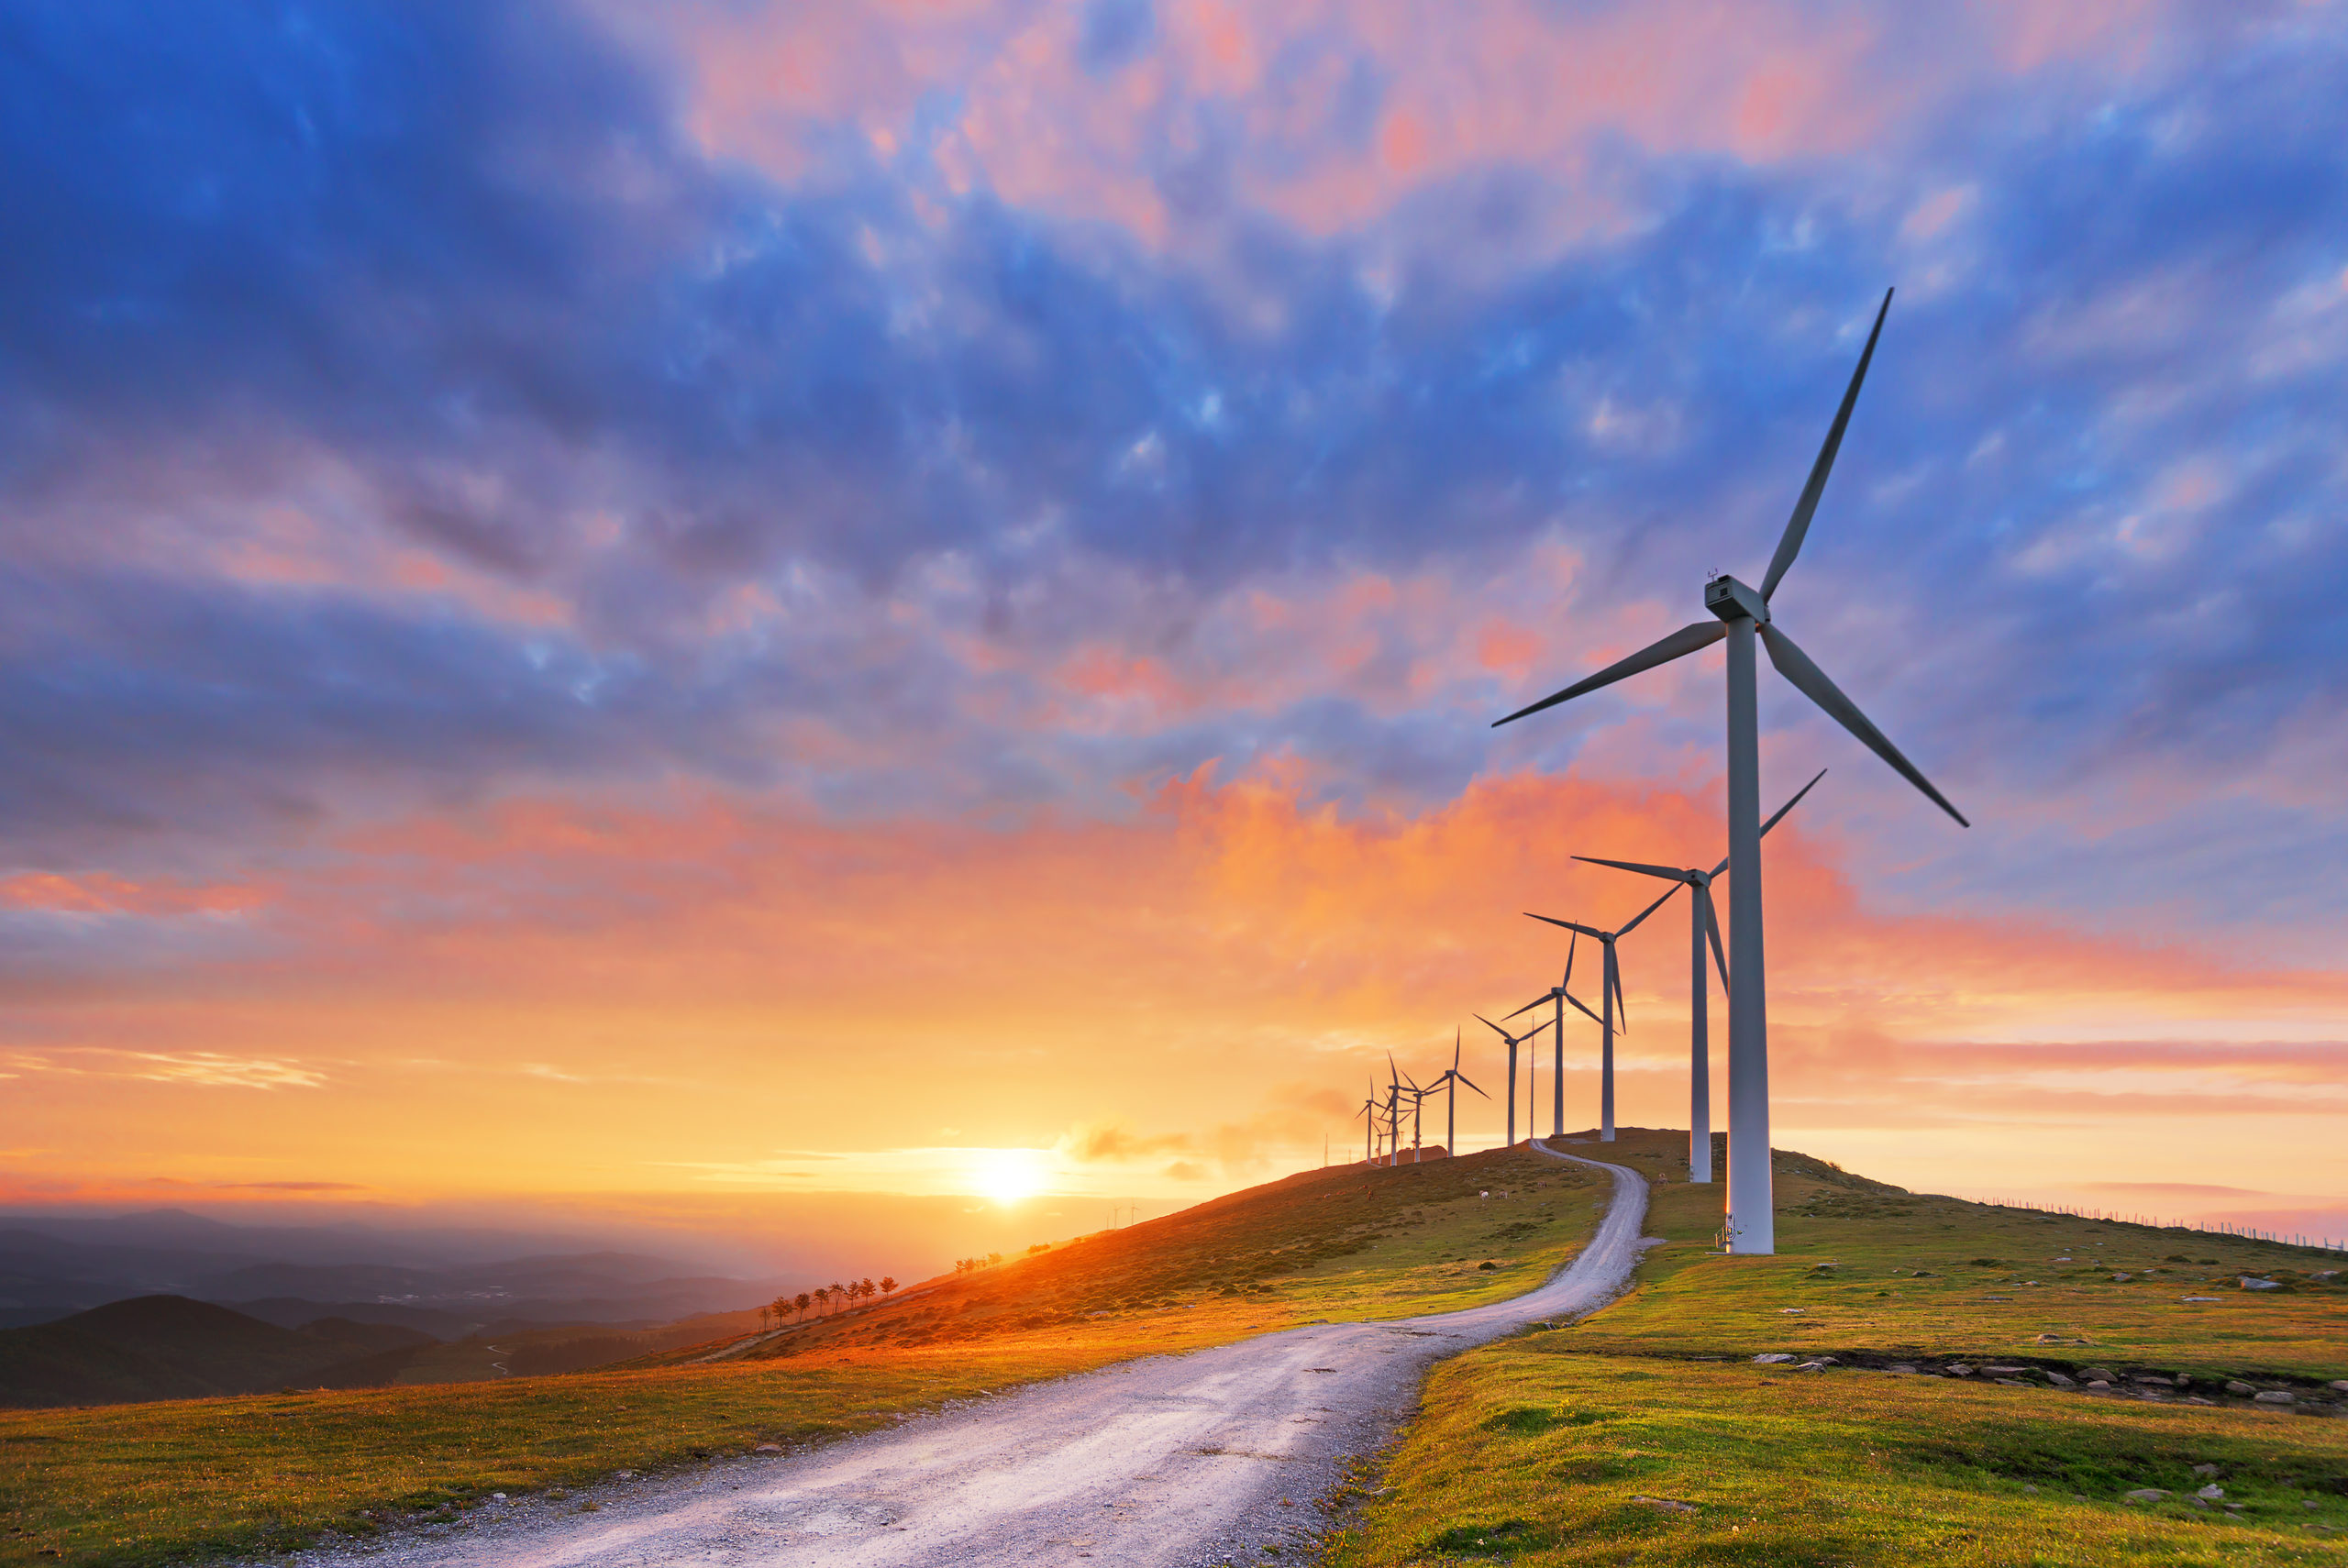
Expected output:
{"points": [[2060, 1381], [2144, 1495], [2205, 1470], [2098, 1385], [2212, 1491], [767, 1448], [2239, 1388], [1958, 1369], [2250, 1282], [2276, 1397], [2099, 1374], [1771, 1358], [2341, 1387], [2005, 1371]]}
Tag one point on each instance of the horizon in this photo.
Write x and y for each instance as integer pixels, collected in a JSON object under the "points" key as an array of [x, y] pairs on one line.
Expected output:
{"points": [[805, 628]]}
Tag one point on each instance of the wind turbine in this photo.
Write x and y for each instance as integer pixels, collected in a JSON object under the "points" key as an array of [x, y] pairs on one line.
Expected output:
{"points": [[1450, 1081], [1514, 1041], [1742, 615], [1610, 987], [1558, 996], [1368, 1112], [1701, 923]]}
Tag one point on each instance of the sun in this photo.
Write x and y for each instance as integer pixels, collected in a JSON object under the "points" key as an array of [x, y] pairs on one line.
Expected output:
{"points": [[1007, 1175]]}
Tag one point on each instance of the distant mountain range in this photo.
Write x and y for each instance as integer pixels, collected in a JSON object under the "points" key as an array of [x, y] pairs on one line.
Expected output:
{"points": [[168, 1347], [439, 1285]]}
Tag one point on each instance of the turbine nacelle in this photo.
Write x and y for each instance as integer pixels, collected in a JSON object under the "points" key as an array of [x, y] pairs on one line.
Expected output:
{"points": [[1732, 600]]}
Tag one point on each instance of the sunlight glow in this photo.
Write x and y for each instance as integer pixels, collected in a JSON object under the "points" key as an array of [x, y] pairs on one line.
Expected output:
{"points": [[1007, 1175]]}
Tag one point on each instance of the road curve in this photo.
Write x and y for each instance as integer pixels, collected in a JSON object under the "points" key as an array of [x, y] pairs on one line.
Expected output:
{"points": [[1172, 1459]]}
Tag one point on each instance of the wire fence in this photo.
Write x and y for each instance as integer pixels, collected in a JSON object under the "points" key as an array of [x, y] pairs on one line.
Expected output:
{"points": [[2337, 1246]]}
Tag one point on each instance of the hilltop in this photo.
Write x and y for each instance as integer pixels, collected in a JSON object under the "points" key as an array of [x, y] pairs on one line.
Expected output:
{"points": [[168, 1347]]}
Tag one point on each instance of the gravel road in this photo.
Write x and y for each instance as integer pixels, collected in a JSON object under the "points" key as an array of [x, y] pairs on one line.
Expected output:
{"points": [[1196, 1459]]}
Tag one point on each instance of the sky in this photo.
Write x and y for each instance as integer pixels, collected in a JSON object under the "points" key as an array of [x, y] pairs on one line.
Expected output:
{"points": [[736, 613]]}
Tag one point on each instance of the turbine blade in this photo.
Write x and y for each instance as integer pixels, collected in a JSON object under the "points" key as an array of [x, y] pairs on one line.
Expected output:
{"points": [[1796, 666], [1496, 1028], [1780, 813], [1686, 640], [1464, 1079], [1649, 911], [1455, 1048], [1586, 1012], [1797, 526], [1622, 1004], [1665, 872], [1571, 944], [1584, 930], [1713, 929]]}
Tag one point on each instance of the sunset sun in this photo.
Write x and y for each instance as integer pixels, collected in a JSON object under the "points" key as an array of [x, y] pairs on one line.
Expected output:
{"points": [[1007, 1175]]}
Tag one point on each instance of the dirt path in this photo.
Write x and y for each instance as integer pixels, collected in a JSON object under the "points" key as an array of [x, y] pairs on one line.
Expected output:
{"points": [[1204, 1458]]}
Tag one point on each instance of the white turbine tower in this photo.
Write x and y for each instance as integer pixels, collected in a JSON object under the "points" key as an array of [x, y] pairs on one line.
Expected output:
{"points": [[1609, 988], [1450, 1081], [1701, 923], [1742, 616], [1513, 1042]]}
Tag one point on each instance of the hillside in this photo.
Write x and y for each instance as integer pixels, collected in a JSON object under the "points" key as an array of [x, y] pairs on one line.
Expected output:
{"points": [[1933, 1404], [168, 1347], [149, 1483]]}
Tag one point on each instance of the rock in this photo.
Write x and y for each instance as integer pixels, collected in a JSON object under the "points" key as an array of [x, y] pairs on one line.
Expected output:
{"points": [[2098, 1375], [2005, 1371], [2212, 1491], [2240, 1389], [2341, 1387], [1672, 1505], [2012, 1383], [624, 1474], [2144, 1495], [2153, 1377], [2117, 1278], [1958, 1369], [1791, 1311], [2060, 1381], [2200, 1298], [2198, 1502], [1772, 1358], [2205, 1470], [767, 1448], [1903, 1366], [2276, 1397], [2101, 1386], [2030, 1490], [2196, 1399], [1811, 1367], [2250, 1282]]}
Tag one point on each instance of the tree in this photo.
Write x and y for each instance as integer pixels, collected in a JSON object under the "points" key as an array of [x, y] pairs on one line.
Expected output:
{"points": [[802, 1301], [994, 1258], [823, 1298], [887, 1284], [865, 1289]]}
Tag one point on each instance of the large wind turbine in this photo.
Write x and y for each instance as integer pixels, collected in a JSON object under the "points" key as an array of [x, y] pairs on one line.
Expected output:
{"points": [[1701, 923], [1449, 1082], [1513, 1042], [1741, 615], [1609, 986]]}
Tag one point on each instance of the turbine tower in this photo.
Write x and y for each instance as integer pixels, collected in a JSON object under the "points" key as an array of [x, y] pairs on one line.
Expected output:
{"points": [[1610, 987], [1368, 1112], [1450, 1081], [1559, 997], [1741, 615], [1513, 1042], [1701, 923]]}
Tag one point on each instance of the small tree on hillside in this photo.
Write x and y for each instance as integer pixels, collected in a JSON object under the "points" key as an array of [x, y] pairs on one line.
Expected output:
{"points": [[823, 1298], [866, 1288], [888, 1284], [994, 1258], [802, 1301]]}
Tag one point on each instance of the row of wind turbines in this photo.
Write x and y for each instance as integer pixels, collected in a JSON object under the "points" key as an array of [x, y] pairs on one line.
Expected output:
{"points": [[1742, 616]]}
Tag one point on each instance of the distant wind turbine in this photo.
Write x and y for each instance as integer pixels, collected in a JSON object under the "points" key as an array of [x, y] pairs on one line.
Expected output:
{"points": [[1742, 616], [1368, 1112], [1449, 1082], [1701, 924], [1609, 988], [1513, 1042], [1558, 996]]}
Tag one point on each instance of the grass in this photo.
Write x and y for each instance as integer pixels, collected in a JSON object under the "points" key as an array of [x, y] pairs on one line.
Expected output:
{"points": [[166, 1482], [1645, 1434]]}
